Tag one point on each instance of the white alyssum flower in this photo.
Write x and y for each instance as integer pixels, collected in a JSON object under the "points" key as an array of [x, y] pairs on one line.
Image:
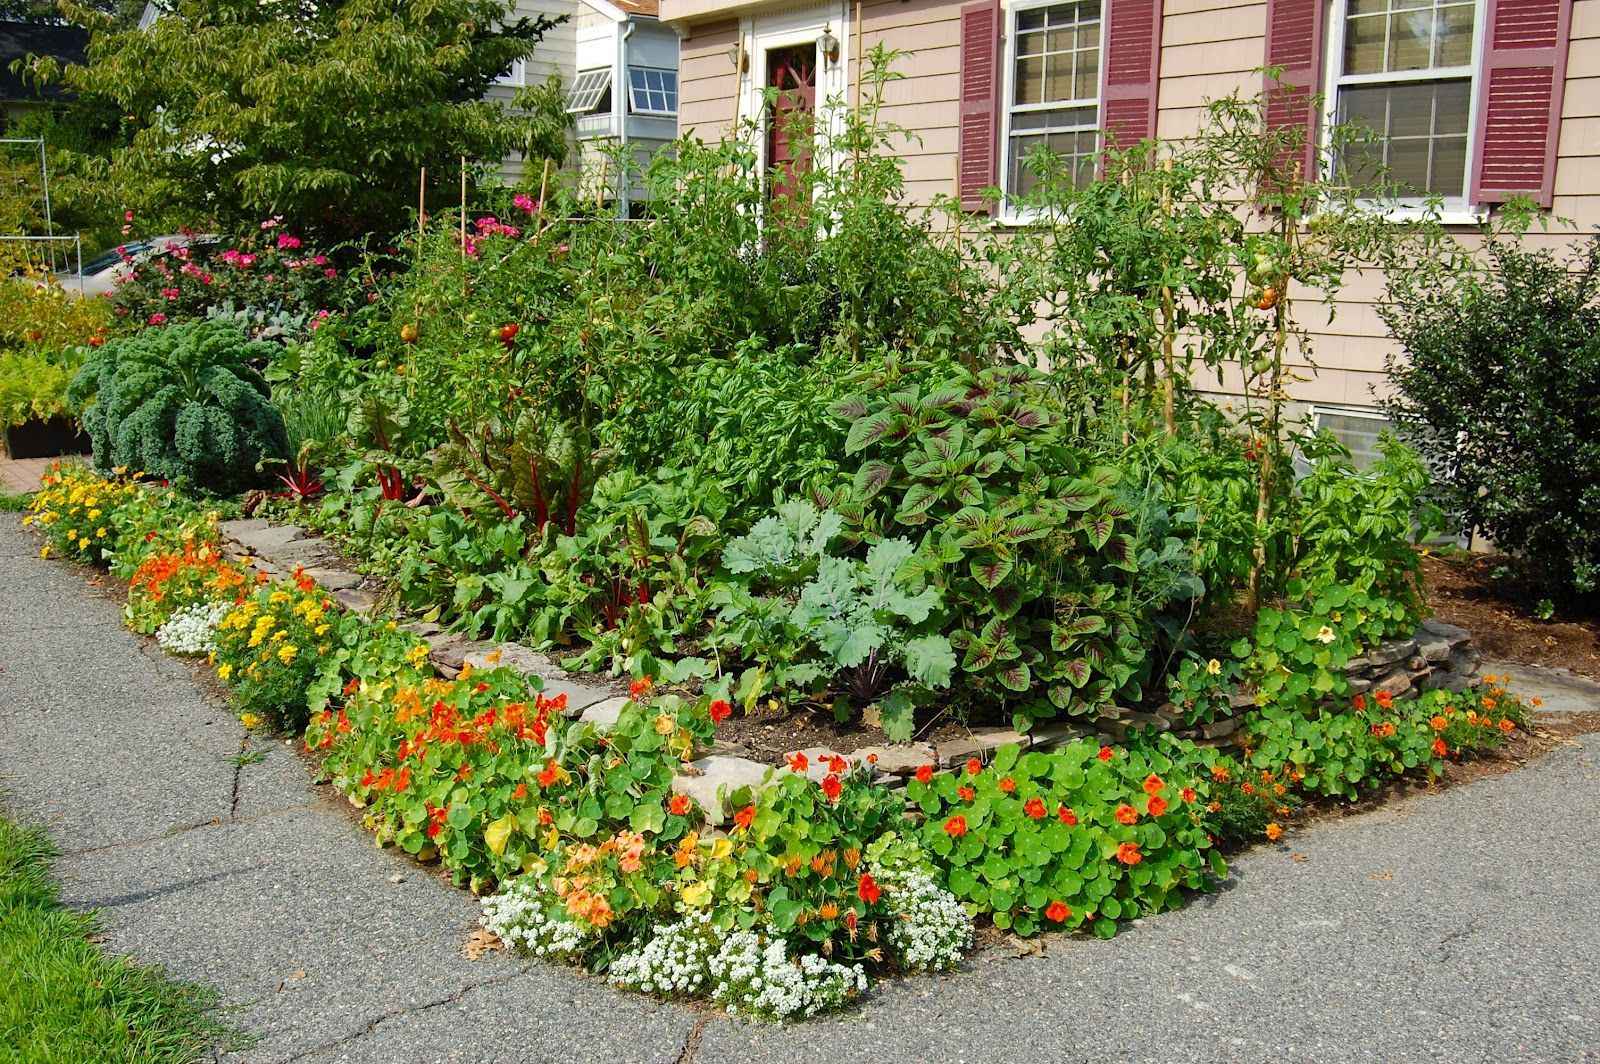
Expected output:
{"points": [[675, 963], [520, 916], [193, 629], [753, 974], [929, 930]]}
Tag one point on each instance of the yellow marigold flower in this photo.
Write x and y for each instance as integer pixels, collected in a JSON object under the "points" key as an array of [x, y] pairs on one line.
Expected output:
{"points": [[94, 513], [278, 598], [320, 629], [44, 551], [249, 720], [224, 671], [100, 533]]}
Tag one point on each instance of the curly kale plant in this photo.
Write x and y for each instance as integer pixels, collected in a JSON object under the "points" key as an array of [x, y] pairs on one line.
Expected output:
{"points": [[183, 403]]}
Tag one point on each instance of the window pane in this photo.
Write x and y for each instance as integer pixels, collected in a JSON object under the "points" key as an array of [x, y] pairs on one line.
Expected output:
{"points": [[1454, 44], [1367, 7], [1030, 80], [1453, 102], [1408, 166], [1410, 40], [1030, 20], [1410, 110], [1363, 45], [1058, 83], [1088, 85]]}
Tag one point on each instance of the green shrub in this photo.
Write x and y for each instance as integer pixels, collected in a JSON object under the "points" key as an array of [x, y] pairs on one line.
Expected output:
{"points": [[1497, 391], [34, 386], [184, 403]]}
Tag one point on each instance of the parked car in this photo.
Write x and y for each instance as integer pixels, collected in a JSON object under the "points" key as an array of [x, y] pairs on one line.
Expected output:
{"points": [[103, 273]]}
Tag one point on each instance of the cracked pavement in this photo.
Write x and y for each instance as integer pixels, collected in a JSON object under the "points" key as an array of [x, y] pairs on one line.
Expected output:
{"points": [[1453, 927]]}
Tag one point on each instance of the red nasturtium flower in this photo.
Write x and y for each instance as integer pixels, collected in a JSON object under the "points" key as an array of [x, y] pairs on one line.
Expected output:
{"points": [[965, 793], [1384, 698], [1008, 785], [956, 826], [867, 889], [1034, 807], [1057, 911], [1440, 748], [1128, 853], [831, 787], [550, 774], [837, 764], [679, 805], [1187, 794], [924, 773], [1067, 817], [720, 710], [520, 793], [1127, 814], [798, 762], [974, 766], [638, 687], [744, 817], [1153, 784], [1360, 702], [1105, 753], [1156, 805]]}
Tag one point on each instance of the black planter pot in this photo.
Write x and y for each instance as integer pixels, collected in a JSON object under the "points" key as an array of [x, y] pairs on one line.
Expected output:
{"points": [[46, 439]]}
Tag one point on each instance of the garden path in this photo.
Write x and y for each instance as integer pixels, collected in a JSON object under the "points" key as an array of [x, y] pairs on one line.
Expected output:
{"points": [[1457, 927]]}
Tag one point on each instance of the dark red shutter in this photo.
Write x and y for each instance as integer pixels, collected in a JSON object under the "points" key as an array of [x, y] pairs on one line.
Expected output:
{"points": [[976, 148], [1131, 73], [1294, 43], [1519, 99]]}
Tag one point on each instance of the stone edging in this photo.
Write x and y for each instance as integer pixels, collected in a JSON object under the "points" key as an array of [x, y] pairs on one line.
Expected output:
{"points": [[1438, 655]]}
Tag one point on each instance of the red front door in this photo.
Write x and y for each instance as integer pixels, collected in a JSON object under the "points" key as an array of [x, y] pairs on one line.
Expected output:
{"points": [[793, 72]]}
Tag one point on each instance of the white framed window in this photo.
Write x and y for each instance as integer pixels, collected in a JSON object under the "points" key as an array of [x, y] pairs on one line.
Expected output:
{"points": [[1356, 428], [652, 91], [590, 90], [516, 77], [1406, 71], [1053, 55]]}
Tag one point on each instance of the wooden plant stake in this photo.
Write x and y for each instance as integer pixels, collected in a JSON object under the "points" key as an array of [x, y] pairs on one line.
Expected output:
{"points": [[1168, 328]]}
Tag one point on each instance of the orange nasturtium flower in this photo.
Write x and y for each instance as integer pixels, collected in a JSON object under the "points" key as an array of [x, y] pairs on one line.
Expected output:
{"points": [[1128, 853]]}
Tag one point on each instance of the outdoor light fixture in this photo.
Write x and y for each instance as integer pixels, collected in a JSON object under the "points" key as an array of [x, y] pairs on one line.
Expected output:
{"points": [[828, 45]]}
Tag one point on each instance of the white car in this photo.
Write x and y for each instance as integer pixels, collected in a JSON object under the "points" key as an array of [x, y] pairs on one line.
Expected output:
{"points": [[102, 274]]}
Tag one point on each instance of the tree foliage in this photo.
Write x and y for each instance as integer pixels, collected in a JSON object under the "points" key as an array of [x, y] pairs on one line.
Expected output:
{"points": [[241, 109]]}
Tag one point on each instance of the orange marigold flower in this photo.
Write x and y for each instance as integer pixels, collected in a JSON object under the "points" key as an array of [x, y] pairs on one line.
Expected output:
{"points": [[1274, 832], [1057, 911], [1153, 784], [956, 826], [1438, 723], [1127, 814], [828, 910], [1440, 748], [1507, 726], [1128, 853], [1156, 806], [1247, 788], [1360, 702], [1219, 773], [1034, 808]]}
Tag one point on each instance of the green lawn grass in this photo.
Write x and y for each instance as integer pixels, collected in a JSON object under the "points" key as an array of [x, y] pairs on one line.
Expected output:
{"points": [[62, 1001]]}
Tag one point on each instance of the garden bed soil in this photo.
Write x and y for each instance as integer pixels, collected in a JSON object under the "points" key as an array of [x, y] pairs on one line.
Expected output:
{"points": [[1463, 590], [769, 734]]}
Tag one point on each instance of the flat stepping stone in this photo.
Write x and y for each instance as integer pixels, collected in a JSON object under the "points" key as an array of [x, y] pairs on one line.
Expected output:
{"points": [[259, 536], [603, 715], [717, 776]]}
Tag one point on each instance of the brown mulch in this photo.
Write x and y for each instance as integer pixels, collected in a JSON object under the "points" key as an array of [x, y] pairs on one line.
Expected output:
{"points": [[1464, 590]]}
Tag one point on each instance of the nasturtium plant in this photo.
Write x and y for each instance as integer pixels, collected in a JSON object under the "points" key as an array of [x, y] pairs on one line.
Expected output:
{"points": [[1084, 836]]}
